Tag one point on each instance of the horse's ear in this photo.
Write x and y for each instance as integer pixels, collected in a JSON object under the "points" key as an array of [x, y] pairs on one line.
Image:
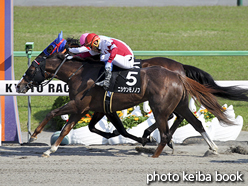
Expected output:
{"points": [[60, 36]]}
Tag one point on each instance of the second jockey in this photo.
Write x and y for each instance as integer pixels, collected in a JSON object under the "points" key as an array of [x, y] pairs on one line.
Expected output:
{"points": [[112, 52]]}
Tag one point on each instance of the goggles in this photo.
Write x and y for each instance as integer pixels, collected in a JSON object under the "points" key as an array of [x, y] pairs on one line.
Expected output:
{"points": [[92, 43]]}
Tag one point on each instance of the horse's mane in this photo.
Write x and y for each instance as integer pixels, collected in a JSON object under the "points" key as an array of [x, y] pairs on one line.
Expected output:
{"points": [[73, 42]]}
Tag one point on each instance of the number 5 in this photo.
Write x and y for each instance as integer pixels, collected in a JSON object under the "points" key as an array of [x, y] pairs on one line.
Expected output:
{"points": [[130, 77]]}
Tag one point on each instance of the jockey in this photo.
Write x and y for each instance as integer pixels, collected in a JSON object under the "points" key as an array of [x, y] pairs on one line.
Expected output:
{"points": [[82, 51], [112, 52]]}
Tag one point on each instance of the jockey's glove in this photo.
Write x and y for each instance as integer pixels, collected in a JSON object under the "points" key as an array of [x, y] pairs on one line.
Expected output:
{"points": [[108, 66]]}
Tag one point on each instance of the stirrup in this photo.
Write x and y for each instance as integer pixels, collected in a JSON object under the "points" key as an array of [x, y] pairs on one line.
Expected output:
{"points": [[101, 83], [105, 84]]}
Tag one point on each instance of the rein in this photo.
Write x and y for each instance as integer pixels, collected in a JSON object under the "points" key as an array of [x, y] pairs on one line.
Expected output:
{"points": [[39, 75], [58, 68], [76, 71]]}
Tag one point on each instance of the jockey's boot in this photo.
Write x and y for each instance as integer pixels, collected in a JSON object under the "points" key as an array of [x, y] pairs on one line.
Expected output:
{"points": [[106, 82]]}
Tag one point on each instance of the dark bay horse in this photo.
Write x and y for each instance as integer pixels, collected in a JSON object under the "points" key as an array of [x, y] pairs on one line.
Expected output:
{"points": [[165, 95]]}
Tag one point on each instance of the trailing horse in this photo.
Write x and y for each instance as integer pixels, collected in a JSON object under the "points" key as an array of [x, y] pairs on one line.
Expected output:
{"points": [[166, 95]]}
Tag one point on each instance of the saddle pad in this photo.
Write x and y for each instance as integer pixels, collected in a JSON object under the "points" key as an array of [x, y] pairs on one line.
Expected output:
{"points": [[126, 81]]}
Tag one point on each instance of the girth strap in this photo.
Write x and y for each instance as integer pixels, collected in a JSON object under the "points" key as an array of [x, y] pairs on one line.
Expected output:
{"points": [[107, 102]]}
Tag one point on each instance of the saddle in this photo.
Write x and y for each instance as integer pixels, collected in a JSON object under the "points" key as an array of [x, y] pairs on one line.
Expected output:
{"points": [[122, 81]]}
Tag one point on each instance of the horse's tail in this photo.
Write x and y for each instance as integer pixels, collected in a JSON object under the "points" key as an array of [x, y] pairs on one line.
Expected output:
{"points": [[205, 97], [232, 92]]}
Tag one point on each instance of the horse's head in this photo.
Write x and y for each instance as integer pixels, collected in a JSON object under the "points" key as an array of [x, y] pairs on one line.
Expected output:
{"points": [[46, 68], [34, 75], [41, 69]]}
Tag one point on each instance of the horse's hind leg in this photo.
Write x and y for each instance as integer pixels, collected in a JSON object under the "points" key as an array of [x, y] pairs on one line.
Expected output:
{"points": [[161, 114], [164, 130], [97, 117], [176, 123], [115, 120], [65, 109], [189, 116], [153, 127]]}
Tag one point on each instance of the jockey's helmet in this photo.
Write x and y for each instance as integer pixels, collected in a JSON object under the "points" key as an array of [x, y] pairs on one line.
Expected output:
{"points": [[90, 39], [82, 38]]}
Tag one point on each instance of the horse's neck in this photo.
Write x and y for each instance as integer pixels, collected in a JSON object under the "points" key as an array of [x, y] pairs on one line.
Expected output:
{"points": [[70, 69], [64, 71]]}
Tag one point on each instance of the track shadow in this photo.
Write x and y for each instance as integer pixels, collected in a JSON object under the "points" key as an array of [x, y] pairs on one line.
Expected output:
{"points": [[230, 161], [29, 151]]}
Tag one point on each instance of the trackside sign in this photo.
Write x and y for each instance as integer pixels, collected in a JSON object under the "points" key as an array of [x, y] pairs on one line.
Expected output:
{"points": [[54, 88], [59, 88]]}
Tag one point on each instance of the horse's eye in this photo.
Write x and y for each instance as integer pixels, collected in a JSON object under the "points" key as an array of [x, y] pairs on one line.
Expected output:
{"points": [[30, 71], [50, 49]]}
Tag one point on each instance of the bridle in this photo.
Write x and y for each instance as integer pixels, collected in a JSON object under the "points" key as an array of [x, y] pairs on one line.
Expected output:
{"points": [[35, 79], [39, 65], [40, 74]]}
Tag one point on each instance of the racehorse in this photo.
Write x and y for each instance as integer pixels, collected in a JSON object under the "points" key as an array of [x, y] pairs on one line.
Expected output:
{"points": [[166, 95], [233, 93]]}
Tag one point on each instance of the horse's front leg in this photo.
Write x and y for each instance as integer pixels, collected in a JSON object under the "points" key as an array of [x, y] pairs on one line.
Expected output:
{"points": [[74, 118], [97, 117], [65, 109]]}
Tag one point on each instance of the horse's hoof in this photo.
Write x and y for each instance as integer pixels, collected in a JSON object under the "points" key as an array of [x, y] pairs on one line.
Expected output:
{"points": [[116, 133], [215, 148], [44, 155], [152, 139], [210, 153], [155, 156], [171, 144], [32, 139], [145, 141]]}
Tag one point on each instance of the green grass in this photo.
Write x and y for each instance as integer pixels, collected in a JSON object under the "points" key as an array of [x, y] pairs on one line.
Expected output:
{"points": [[142, 28]]}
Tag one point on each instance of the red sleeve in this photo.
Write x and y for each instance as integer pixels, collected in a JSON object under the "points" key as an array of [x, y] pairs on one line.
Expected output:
{"points": [[84, 55], [113, 53]]}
